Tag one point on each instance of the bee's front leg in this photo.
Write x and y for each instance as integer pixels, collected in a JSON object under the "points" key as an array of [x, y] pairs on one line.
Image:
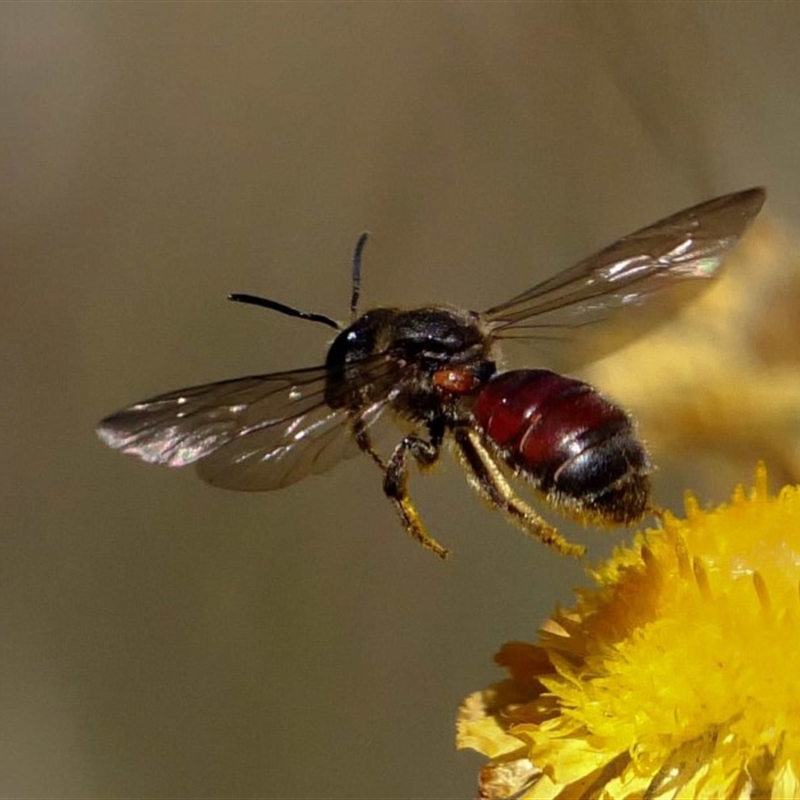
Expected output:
{"points": [[395, 486]]}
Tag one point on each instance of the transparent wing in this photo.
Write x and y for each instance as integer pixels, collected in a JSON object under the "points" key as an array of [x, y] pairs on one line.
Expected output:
{"points": [[641, 280], [255, 433], [272, 458]]}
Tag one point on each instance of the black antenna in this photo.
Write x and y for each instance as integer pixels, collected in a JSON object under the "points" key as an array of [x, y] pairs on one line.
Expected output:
{"points": [[362, 240], [290, 311], [280, 307]]}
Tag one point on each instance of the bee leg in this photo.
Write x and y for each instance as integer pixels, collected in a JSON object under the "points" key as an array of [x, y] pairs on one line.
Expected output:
{"points": [[364, 441], [488, 480], [395, 480], [395, 486]]}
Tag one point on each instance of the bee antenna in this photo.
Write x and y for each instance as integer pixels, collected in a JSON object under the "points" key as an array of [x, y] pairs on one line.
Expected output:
{"points": [[274, 305], [362, 240]]}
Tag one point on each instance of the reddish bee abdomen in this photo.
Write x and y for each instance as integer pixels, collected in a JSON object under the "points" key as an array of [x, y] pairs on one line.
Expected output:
{"points": [[571, 443]]}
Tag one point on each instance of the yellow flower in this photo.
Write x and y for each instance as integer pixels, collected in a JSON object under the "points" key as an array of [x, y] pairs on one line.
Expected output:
{"points": [[677, 676]]}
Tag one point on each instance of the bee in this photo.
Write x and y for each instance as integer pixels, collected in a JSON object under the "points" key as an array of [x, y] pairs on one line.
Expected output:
{"points": [[435, 370]]}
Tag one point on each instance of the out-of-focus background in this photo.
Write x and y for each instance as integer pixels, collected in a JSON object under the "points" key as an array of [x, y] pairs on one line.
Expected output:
{"points": [[162, 638]]}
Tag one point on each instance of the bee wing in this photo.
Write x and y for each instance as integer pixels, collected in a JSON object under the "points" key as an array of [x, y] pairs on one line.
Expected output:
{"points": [[271, 458], [654, 271], [251, 434]]}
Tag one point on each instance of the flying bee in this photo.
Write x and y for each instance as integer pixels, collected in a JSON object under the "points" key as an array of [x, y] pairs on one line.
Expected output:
{"points": [[435, 370]]}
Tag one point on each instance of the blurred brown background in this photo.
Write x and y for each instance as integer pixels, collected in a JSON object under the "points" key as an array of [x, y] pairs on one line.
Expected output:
{"points": [[162, 638]]}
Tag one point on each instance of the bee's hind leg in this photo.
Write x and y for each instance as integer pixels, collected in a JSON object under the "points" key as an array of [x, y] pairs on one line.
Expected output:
{"points": [[487, 479]]}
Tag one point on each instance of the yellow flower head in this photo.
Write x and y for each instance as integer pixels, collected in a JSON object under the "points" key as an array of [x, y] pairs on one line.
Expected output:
{"points": [[676, 677]]}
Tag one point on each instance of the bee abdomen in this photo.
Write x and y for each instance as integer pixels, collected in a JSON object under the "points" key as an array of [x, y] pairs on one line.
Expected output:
{"points": [[569, 441]]}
